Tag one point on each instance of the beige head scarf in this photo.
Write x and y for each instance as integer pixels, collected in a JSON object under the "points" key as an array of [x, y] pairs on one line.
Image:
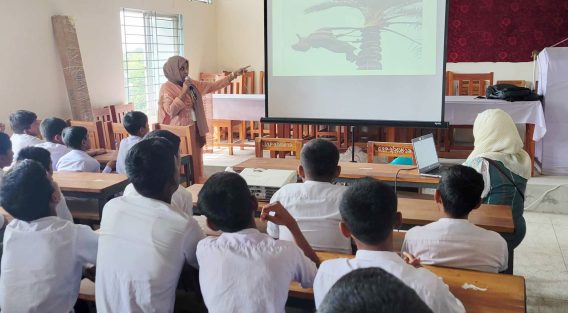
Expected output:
{"points": [[497, 138], [171, 69]]}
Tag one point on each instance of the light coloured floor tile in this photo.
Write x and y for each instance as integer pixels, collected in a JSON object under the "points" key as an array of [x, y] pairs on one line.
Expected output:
{"points": [[539, 236], [546, 284], [559, 219], [561, 232], [532, 304], [537, 218], [552, 306]]}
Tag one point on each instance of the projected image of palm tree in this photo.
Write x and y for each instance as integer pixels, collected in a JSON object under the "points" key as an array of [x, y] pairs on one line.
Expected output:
{"points": [[363, 45]]}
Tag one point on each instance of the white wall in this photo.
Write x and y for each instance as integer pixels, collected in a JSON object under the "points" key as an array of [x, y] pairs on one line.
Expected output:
{"points": [[31, 73]]}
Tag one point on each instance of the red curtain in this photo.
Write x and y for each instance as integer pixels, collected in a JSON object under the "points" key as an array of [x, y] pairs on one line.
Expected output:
{"points": [[504, 30]]}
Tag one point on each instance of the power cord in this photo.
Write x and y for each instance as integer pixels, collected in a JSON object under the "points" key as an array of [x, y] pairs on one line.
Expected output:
{"points": [[396, 176]]}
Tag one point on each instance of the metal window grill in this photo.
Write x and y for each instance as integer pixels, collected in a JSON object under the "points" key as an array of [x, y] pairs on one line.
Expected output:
{"points": [[148, 40]]}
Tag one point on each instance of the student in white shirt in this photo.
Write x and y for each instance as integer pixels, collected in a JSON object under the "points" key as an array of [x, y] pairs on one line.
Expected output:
{"points": [[51, 129], [26, 130], [244, 270], [145, 242], [43, 255], [6, 158], [136, 124], [42, 156], [369, 215], [371, 290], [315, 202], [181, 199], [453, 241], [78, 160]]}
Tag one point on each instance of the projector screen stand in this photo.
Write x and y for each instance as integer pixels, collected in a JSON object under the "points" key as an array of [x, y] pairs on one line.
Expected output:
{"points": [[353, 144]]}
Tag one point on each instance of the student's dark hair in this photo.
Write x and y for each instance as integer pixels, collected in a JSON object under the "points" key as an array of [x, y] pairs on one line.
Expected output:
{"points": [[73, 136], [52, 126], [319, 157], [461, 188], [26, 191], [368, 208], [226, 201], [372, 290], [133, 121], [22, 120], [5, 143], [37, 154], [165, 134], [151, 167]]}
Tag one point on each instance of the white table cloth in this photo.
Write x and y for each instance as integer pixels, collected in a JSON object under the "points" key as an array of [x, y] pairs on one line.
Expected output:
{"points": [[247, 107]]}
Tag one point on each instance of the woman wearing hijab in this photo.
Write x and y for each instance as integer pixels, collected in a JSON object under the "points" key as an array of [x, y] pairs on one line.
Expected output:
{"points": [[181, 102], [499, 156]]}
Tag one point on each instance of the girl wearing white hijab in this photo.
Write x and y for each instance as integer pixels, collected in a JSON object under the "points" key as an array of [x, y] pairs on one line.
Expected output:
{"points": [[499, 156]]}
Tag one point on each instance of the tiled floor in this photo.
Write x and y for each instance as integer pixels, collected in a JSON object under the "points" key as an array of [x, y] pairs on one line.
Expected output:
{"points": [[542, 258]]}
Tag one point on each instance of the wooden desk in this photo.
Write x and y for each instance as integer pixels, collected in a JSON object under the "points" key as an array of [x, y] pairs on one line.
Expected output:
{"points": [[415, 212], [98, 186], [185, 159], [505, 293], [350, 171]]}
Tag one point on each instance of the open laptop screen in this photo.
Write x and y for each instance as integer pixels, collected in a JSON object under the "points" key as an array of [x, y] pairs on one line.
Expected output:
{"points": [[425, 152]]}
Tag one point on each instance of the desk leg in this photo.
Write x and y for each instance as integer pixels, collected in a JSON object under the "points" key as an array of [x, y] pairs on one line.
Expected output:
{"points": [[530, 144]]}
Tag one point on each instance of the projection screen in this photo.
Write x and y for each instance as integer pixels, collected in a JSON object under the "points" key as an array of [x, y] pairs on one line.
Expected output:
{"points": [[355, 61]]}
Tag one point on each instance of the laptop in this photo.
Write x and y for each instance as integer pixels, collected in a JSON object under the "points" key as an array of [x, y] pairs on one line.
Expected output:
{"points": [[427, 157]]}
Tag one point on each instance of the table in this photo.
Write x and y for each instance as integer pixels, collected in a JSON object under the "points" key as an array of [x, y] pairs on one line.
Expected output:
{"points": [[505, 293], [98, 186], [240, 107], [407, 177], [417, 212], [110, 155]]}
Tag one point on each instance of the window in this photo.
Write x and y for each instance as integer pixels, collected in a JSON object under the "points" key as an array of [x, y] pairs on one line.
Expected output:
{"points": [[148, 40]]}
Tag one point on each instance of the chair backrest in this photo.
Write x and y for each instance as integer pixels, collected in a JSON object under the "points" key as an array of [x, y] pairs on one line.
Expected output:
{"points": [[473, 84], [95, 132], [293, 146], [518, 83], [209, 77], [115, 133], [261, 83], [247, 83], [118, 111], [184, 134], [103, 114], [390, 150]]}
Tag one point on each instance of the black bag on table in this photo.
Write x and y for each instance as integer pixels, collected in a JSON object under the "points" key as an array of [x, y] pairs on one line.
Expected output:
{"points": [[510, 93]]}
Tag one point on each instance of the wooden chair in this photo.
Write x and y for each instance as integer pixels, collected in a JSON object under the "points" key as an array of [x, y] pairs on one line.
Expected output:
{"points": [[95, 132], [339, 134], [189, 146], [114, 132], [280, 146], [462, 84], [518, 83], [103, 114], [248, 83], [390, 150], [118, 111], [261, 84]]}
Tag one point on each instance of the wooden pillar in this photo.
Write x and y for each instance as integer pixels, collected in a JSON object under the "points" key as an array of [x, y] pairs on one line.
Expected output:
{"points": [[72, 63]]}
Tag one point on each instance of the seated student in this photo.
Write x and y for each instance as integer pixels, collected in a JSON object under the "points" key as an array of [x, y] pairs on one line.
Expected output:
{"points": [[244, 270], [136, 124], [26, 129], [43, 157], [6, 158], [51, 129], [371, 290], [453, 241], [145, 242], [181, 199], [44, 255], [78, 160], [369, 215], [315, 202]]}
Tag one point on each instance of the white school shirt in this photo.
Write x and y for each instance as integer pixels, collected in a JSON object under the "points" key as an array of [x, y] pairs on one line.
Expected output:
{"points": [[125, 145], [78, 161], [315, 206], [42, 264], [428, 286], [457, 243], [181, 199], [248, 271], [143, 246], [20, 141], [56, 150]]}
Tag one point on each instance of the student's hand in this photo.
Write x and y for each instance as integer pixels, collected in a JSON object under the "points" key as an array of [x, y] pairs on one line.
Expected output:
{"points": [[2, 127], [278, 215], [410, 259], [185, 87], [95, 152]]}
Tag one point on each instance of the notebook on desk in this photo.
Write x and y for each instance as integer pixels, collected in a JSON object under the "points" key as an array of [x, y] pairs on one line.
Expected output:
{"points": [[427, 157]]}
